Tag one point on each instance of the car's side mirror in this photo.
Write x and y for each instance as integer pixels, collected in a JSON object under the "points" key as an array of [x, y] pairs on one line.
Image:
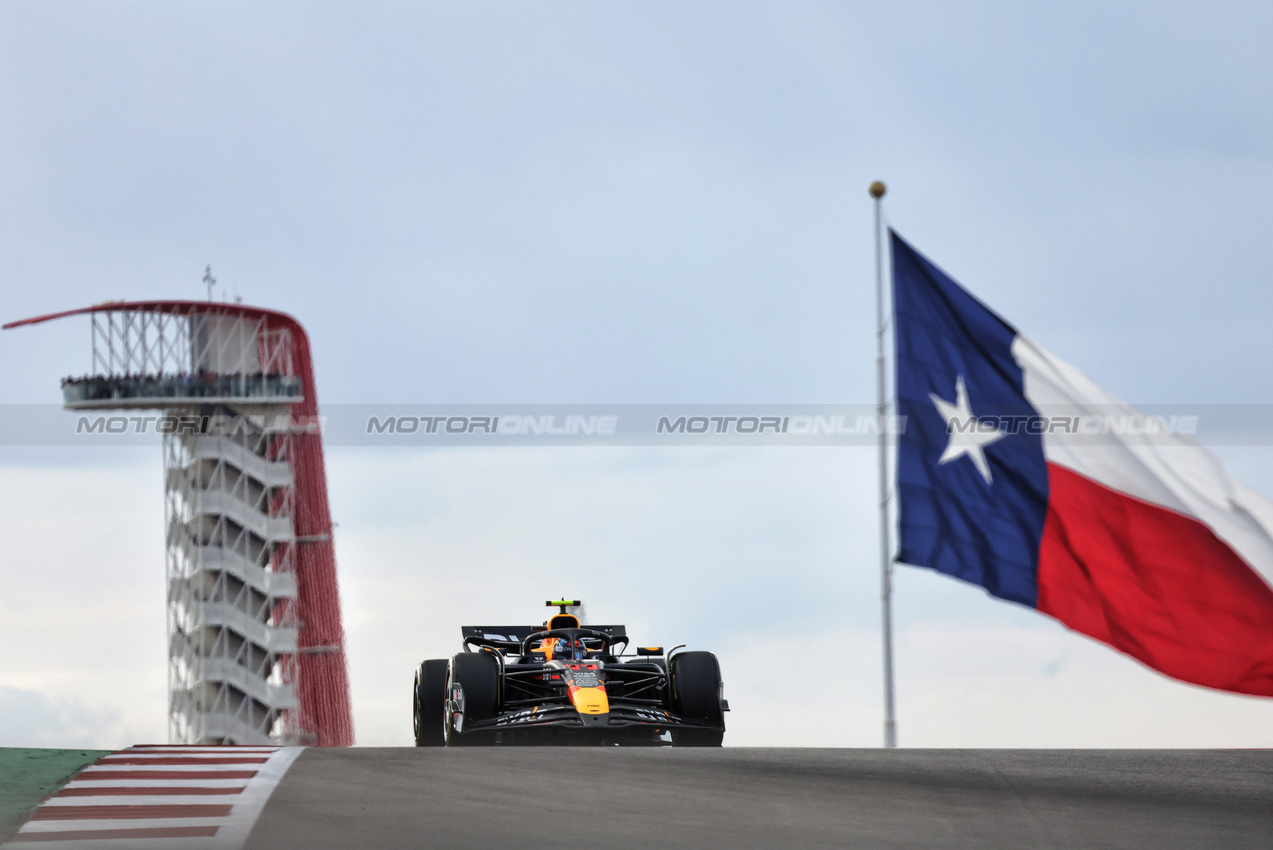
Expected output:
{"points": [[649, 650]]}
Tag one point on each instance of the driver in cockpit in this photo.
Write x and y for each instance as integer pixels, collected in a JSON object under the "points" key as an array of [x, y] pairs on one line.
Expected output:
{"points": [[561, 648]]}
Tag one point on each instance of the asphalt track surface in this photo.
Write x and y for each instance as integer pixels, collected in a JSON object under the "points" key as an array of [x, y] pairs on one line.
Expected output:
{"points": [[752, 797]]}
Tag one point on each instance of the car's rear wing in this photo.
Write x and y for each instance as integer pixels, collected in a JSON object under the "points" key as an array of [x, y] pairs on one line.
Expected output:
{"points": [[517, 634]]}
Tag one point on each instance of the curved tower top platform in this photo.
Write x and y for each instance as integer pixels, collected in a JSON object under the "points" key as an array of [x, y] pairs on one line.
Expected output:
{"points": [[256, 646]]}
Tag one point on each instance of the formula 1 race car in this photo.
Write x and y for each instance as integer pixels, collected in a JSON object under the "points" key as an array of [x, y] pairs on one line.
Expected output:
{"points": [[563, 683]]}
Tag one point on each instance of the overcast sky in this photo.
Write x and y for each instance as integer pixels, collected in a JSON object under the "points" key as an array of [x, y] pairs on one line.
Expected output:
{"points": [[624, 202]]}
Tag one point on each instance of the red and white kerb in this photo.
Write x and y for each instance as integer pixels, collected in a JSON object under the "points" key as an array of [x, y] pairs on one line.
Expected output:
{"points": [[185, 797]]}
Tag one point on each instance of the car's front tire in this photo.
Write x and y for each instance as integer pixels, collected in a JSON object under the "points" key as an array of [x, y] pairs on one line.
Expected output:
{"points": [[477, 675], [428, 703], [696, 695]]}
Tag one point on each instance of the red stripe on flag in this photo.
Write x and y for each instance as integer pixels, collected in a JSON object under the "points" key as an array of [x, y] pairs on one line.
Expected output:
{"points": [[193, 810], [1154, 584], [117, 791], [105, 834], [164, 774]]}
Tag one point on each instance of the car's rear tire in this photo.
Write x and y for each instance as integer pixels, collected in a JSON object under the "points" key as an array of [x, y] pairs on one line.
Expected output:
{"points": [[477, 674], [427, 703], [696, 695]]}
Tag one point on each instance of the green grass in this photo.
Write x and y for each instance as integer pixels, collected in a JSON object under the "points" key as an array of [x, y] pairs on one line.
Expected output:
{"points": [[27, 776]]}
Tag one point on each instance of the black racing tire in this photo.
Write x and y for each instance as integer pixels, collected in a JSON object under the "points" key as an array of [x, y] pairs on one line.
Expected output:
{"points": [[696, 686], [477, 673], [428, 703]]}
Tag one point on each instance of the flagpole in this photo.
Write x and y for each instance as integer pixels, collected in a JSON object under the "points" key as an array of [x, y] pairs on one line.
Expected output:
{"points": [[881, 408]]}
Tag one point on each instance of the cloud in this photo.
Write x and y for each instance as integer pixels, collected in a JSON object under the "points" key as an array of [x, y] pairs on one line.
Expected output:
{"points": [[82, 607], [996, 685], [33, 719]]}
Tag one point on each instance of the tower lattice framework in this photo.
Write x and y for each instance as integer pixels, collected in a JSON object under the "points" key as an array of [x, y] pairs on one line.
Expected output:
{"points": [[255, 642]]}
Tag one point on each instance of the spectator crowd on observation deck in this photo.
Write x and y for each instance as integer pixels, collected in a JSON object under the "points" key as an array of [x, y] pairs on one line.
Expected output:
{"points": [[200, 385]]}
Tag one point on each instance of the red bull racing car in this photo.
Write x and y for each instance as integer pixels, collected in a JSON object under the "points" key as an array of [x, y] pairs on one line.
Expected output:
{"points": [[564, 683]]}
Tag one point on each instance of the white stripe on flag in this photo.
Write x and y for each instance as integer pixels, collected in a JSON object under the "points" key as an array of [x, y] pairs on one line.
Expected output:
{"points": [[1167, 470]]}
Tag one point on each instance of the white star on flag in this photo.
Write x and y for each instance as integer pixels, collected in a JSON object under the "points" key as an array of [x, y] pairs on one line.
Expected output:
{"points": [[967, 435]]}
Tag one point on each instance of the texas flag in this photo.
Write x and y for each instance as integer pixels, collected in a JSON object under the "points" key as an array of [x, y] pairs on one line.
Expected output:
{"points": [[1017, 473]]}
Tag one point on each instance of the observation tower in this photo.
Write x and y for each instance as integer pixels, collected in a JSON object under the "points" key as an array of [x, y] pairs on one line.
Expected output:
{"points": [[255, 643]]}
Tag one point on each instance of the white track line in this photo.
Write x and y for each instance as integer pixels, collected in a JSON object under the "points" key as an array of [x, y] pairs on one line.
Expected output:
{"points": [[100, 768], [77, 784]]}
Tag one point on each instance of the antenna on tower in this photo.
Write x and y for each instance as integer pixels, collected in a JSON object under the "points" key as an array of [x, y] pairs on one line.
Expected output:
{"points": [[209, 280]]}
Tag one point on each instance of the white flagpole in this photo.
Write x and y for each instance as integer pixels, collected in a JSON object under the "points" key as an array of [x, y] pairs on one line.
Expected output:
{"points": [[881, 408]]}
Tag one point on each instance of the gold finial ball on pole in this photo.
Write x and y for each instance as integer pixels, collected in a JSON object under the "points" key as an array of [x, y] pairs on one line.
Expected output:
{"points": [[877, 190]]}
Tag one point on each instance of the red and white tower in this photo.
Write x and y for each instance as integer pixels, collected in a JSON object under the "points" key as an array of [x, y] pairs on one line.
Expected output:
{"points": [[255, 643]]}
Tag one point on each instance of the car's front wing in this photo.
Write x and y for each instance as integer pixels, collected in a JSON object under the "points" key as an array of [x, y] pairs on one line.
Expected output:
{"points": [[565, 716]]}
